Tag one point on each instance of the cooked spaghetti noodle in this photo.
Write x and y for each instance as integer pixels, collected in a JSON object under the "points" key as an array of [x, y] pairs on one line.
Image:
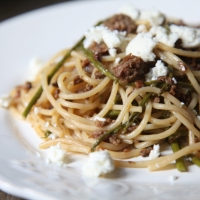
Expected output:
{"points": [[96, 98]]}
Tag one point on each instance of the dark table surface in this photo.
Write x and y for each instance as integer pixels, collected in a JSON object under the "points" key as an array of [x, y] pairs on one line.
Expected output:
{"points": [[12, 8]]}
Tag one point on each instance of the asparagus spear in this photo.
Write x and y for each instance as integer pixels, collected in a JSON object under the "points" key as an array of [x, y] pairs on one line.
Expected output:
{"points": [[99, 65], [195, 159], [185, 85], [180, 165], [107, 134], [113, 113], [179, 162], [47, 133]]}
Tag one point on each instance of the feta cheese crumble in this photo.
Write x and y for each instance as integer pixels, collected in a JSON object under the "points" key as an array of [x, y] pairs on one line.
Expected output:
{"points": [[47, 124], [161, 35], [112, 39], [112, 52], [5, 101], [36, 110], [117, 60], [159, 70], [174, 80], [190, 36], [56, 155], [142, 46], [141, 28], [99, 118], [99, 163], [154, 17], [155, 152], [52, 136]]}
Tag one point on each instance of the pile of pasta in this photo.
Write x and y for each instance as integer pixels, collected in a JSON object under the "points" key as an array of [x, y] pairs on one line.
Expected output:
{"points": [[68, 103]]}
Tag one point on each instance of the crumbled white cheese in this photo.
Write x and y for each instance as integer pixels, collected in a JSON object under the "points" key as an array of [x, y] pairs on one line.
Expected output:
{"points": [[154, 17], [189, 158], [198, 117], [155, 152], [112, 39], [35, 67], [99, 163], [52, 136], [56, 155], [36, 110], [190, 36], [174, 80], [159, 70], [47, 124], [182, 67], [142, 46], [112, 52], [141, 28], [161, 35], [99, 118], [5, 101], [130, 11], [117, 60]]}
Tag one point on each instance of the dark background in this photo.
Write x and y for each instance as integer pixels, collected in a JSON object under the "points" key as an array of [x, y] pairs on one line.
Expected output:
{"points": [[11, 8]]}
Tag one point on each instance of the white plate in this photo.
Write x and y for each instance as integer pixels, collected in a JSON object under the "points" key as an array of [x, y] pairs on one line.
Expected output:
{"points": [[42, 33]]}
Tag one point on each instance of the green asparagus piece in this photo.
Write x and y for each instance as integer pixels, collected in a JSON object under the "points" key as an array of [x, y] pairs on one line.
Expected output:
{"points": [[179, 162], [149, 83], [180, 165], [194, 159], [106, 135], [175, 147], [32, 102], [99, 65], [118, 99], [171, 71], [185, 85], [47, 133], [112, 113]]}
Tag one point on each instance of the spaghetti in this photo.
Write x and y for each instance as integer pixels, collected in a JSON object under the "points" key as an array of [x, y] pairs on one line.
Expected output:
{"points": [[99, 95]]}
